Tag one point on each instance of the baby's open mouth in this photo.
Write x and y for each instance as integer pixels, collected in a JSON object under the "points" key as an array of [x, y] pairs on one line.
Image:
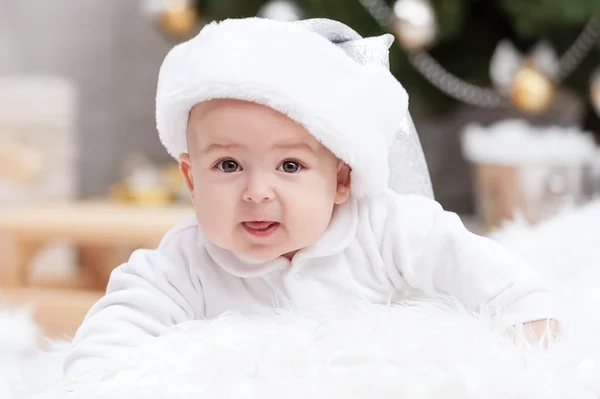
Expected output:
{"points": [[260, 229]]}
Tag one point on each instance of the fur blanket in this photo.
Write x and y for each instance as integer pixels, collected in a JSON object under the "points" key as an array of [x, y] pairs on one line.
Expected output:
{"points": [[426, 349]]}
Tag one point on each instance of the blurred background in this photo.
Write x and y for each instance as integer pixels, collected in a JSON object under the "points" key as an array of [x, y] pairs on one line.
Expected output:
{"points": [[505, 95]]}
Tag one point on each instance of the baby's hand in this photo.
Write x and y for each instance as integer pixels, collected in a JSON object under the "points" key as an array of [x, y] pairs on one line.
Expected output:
{"points": [[544, 332]]}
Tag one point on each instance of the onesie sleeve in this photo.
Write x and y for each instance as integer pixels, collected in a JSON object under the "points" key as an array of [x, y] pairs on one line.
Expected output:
{"points": [[144, 298], [432, 251]]}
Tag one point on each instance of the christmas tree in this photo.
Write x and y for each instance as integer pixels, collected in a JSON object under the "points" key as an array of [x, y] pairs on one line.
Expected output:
{"points": [[467, 35]]}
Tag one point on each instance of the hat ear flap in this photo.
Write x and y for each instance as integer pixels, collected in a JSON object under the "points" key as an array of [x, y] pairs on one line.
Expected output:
{"points": [[409, 173], [372, 50]]}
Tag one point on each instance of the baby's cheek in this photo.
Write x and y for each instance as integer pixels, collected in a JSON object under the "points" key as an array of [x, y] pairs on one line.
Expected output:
{"points": [[314, 210], [203, 202], [215, 222]]}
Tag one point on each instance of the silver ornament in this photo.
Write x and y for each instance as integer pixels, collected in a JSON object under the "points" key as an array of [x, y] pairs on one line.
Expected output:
{"points": [[504, 65], [595, 91], [414, 23], [281, 10]]}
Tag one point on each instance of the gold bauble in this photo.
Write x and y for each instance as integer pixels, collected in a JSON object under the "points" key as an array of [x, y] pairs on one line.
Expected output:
{"points": [[532, 91], [178, 18]]}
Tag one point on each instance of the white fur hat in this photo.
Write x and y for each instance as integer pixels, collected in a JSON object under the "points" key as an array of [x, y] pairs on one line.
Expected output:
{"points": [[319, 73]]}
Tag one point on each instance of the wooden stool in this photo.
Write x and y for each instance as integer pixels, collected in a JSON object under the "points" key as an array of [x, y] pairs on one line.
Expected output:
{"points": [[104, 234]]}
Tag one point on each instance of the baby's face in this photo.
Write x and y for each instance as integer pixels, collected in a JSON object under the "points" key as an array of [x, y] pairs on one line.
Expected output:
{"points": [[261, 185]]}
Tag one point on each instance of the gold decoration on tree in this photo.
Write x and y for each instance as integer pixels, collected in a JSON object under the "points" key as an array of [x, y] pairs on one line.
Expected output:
{"points": [[528, 81], [528, 84], [531, 90], [176, 18]]}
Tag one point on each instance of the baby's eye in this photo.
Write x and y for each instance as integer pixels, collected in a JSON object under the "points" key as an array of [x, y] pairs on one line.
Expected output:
{"points": [[290, 167], [228, 166]]}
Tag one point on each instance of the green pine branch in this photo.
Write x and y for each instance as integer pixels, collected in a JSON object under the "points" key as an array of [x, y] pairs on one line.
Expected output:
{"points": [[468, 33]]}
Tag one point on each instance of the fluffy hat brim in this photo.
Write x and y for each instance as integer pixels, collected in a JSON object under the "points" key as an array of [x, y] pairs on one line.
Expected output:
{"points": [[354, 109]]}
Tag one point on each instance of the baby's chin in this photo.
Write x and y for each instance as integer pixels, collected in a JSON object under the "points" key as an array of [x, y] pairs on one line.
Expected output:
{"points": [[263, 255]]}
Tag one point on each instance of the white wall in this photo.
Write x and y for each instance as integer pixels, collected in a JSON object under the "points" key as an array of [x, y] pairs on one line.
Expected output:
{"points": [[113, 54]]}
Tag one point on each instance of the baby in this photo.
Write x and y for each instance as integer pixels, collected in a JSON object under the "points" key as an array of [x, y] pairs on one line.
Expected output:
{"points": [[283, 133]]}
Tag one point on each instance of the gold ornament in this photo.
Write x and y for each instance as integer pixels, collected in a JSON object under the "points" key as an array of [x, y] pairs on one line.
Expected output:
{"points": [[178, 18], [147, 184], [531, 90], [414, 24], [595, 91], [20, 163], [153, 196]]}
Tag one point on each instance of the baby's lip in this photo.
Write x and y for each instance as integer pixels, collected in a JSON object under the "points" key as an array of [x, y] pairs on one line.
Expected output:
{"points": [[259, 224], [260, 220]]}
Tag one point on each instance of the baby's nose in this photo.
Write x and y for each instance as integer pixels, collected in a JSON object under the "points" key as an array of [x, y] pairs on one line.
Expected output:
{"points": [[258, 190]]}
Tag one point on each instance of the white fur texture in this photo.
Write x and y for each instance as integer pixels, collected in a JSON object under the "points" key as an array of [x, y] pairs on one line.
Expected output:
{"points": [[24, 371], [356, 110], [564, 247], [427, 350]]}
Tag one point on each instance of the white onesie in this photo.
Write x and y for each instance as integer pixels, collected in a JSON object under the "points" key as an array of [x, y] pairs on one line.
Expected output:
{"points": [[375, 251]]}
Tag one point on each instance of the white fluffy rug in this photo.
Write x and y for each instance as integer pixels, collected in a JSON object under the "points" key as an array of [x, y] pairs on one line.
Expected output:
{"points": [[419, 350]]}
